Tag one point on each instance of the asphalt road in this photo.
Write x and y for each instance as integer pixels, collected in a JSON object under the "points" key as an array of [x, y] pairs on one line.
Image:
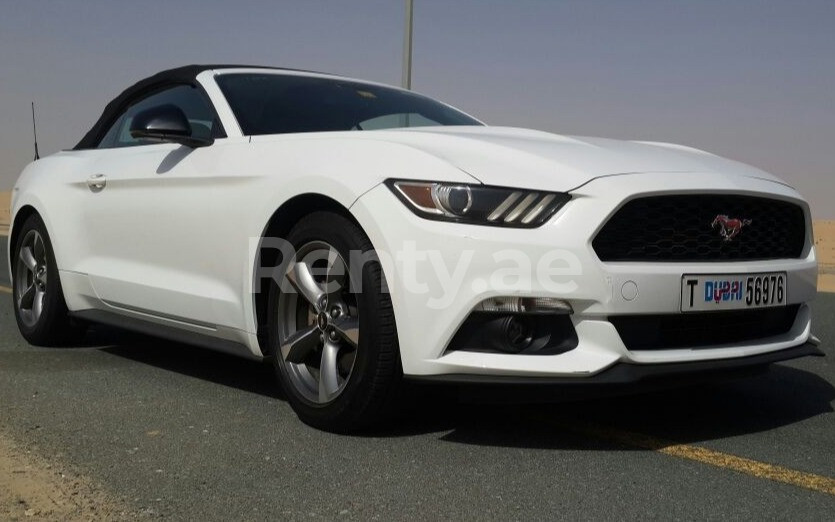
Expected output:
{"points": [[190, 434]]}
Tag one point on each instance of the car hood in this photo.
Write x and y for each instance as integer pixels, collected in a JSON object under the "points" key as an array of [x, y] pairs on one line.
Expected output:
{"points": [[538, 160]]}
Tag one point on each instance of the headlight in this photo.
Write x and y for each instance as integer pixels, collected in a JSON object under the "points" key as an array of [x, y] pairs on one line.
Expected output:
{"points": [[478, 204]]}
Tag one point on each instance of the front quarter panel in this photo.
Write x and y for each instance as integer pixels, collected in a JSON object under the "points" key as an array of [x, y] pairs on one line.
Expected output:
{"points": [[284, 167]]}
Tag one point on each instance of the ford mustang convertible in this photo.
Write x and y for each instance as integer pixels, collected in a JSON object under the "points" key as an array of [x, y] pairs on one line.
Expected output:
{"points": [[357, 235]]}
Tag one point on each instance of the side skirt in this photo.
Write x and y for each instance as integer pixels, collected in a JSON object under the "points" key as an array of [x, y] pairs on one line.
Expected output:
{"points": [[166, 332]]}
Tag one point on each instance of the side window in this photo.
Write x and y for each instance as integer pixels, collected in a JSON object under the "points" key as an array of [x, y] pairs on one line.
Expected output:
{"points": [[200, 115]]}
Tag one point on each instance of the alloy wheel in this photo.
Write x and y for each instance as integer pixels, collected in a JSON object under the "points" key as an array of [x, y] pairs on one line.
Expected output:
{"points": [[319, 323], [31, 278]]}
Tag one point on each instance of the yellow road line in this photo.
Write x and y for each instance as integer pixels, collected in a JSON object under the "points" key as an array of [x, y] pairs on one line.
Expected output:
{"points": [[718, 459], [5, 289]]}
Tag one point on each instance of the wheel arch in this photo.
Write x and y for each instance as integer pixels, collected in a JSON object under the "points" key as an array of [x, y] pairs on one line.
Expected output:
{"points": [[20, 217], [14, 231], [278, 226]]}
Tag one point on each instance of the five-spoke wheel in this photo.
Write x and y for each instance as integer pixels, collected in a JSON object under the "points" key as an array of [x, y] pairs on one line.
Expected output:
{"points": [[331, 326], [31, 277], [40, 310], [320, 323]]}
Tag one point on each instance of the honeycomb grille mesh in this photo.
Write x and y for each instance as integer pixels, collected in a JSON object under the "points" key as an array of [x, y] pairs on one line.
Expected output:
{"points": [[681, 228]]}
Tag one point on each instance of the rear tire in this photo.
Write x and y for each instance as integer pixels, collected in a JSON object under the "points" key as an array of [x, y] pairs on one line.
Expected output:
{"points": [[334, 345], [40, 310]]}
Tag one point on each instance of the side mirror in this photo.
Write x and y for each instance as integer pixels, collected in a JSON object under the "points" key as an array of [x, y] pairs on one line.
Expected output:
{"points": [[166, 123]]}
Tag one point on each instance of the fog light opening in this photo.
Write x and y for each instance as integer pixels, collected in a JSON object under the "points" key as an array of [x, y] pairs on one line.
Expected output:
{"points": [[517, 333]]}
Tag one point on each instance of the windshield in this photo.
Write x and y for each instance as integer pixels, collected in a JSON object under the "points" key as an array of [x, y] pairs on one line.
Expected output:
{"points": [[277, 104]]}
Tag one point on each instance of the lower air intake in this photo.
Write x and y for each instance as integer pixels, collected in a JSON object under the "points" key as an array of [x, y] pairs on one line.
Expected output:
{"points": [[702, 330]]}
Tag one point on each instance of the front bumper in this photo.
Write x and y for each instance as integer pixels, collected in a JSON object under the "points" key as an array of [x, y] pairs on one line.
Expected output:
{"points": [[631, 373], [438, 272]]}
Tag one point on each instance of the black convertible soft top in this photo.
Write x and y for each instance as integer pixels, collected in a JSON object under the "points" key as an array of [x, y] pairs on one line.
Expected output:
{"points": [[178, 75]]}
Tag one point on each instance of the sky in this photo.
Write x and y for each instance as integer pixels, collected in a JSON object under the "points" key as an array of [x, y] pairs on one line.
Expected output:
{"points": [[753, 80]]}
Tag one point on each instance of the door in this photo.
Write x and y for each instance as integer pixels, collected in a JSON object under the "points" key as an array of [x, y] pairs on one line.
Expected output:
{"points": [[149, 217]]}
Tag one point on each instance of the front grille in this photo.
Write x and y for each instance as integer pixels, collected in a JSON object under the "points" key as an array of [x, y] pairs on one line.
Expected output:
{"points": [[680, 228], [702, 330]]}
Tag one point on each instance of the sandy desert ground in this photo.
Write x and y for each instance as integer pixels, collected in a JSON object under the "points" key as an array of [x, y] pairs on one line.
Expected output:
{"points": [[33, 488], [825, 244], [824, 240]]}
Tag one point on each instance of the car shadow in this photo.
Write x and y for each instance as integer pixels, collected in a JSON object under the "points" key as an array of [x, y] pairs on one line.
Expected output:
{"points": [[782, 396], [173, 158], [219, 368]]}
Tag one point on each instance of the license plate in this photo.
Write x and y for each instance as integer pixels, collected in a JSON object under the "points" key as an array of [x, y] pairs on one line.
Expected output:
{"points": [[732, 291]]}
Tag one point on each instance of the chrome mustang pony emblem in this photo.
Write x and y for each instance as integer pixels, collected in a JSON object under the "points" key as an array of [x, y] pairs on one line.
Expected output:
{"points": [[729, 228]]}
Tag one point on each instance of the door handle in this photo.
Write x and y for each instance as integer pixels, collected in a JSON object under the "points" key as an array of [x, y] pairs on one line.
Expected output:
{"points": [[97, 182]]}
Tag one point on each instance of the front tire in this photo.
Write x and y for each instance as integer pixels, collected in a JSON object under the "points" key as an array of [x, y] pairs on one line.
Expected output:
{"points": [[331, 328], [40, 310]]}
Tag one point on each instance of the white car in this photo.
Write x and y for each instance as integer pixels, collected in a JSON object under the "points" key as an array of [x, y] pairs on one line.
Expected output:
{"points": [[357, 234]]}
